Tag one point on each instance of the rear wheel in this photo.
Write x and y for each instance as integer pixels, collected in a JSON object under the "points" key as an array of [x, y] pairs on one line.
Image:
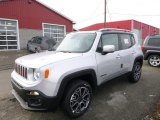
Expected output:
{"points": [[78, 98], [136, 72], [154, 60], [36, 50]]}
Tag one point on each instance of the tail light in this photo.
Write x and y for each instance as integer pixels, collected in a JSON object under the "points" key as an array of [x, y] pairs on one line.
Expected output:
{"points": [[142, 48]]}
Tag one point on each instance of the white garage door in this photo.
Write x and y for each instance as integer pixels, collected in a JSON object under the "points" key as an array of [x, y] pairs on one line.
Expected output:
{"points": [[54, 31], [8, 34]]}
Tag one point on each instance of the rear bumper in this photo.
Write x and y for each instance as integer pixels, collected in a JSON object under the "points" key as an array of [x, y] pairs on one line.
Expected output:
{"points": [[33, 102]]}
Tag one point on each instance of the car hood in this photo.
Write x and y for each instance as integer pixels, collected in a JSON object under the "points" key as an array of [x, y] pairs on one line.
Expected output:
{"points": [[38, 60]]}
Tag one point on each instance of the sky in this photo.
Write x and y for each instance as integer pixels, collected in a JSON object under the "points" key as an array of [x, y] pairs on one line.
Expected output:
{"points": [[88, 12]]}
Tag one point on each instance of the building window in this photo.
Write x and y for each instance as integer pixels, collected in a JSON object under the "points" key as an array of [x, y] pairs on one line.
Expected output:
{"points": [[8, 35], [54, 31]]}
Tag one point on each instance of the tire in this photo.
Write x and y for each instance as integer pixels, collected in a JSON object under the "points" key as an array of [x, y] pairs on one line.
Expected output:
{"points": [[136, 72], [75, 102], [36, 50], [154, 60]]}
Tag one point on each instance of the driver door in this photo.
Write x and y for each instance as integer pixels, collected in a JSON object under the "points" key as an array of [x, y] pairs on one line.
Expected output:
{"points": [[109, 65]]}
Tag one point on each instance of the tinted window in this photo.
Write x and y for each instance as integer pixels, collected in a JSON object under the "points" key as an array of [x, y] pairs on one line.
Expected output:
{"points": [[34, 40], [154, 41], [126, 41], [39, 40], [110, 39]]}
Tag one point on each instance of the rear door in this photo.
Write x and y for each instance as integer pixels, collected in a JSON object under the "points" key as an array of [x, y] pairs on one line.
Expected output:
{"points": [[127, 51]]}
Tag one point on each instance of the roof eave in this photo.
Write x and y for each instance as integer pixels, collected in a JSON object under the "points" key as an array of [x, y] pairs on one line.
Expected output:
{"points": [[55, 11]]}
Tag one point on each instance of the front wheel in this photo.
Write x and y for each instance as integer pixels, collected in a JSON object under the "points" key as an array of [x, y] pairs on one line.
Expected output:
{"points": [[77, 99], [37, 50], [136, 72], [154, 60]]}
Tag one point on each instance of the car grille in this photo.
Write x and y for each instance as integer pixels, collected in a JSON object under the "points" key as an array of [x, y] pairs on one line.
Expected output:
{"points": [[21, 70]]}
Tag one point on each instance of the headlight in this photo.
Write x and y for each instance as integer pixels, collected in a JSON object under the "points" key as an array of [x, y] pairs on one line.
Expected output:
{"points": [[36, 73]]}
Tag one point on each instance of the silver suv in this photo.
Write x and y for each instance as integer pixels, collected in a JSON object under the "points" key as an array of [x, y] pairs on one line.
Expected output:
{"points": [[67, 76]]}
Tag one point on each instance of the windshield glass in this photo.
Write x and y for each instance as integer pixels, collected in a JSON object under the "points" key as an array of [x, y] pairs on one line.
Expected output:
{"points": [[77, 42]]}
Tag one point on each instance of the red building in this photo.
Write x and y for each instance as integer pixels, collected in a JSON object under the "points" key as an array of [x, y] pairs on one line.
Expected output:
{"points": [[20, 20], [141, 29]]}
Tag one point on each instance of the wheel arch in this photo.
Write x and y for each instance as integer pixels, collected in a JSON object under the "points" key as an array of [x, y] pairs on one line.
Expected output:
{"points": [[88, 75], [139, 59], [149, 53]]}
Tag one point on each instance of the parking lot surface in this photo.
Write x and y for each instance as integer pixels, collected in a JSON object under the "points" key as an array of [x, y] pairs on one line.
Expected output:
{"points": [[7, 58], [115, 100]]}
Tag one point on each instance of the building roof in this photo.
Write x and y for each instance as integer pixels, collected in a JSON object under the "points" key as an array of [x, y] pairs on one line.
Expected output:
{"points": [[54, 10], [114, 24], [46, 7]]}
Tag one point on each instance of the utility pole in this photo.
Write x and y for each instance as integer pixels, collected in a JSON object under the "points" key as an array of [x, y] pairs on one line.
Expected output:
{"points": [[105, 3]]}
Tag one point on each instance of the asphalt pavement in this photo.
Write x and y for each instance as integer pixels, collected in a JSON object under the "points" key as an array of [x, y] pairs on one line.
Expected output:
{"points": [[7, 58], [115, 100]]}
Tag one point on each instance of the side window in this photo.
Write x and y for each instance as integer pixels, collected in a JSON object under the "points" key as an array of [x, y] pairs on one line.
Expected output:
{"points": [[154, 42], [39, 40], [110, 39], [126, 41], [34, 40]]}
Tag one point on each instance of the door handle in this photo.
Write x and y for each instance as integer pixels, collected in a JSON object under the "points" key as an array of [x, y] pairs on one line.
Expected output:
{"points": [[118, 56]]}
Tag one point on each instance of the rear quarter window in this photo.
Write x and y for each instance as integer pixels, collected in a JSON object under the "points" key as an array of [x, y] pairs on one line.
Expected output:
{"points": [[126, 41]]}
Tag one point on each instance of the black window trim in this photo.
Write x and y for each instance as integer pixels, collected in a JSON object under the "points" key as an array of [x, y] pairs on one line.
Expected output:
{"points": [[99, 49], [131, 35]]}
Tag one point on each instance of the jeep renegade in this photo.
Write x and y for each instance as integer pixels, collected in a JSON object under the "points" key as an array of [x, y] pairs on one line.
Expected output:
{"points": [[68, 75]]}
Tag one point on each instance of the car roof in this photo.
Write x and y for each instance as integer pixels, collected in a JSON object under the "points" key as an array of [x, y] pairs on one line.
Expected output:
{"points": [[44, 37], [154, 36], [109, 30]]}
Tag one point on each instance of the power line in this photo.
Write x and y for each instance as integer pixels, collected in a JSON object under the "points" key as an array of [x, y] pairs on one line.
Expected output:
{"points": [[96, 7], [90, 18], [128, 14], [131, 14]]}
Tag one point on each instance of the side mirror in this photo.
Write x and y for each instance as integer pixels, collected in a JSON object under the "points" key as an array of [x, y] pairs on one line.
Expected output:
{"points": [[108, 49]]}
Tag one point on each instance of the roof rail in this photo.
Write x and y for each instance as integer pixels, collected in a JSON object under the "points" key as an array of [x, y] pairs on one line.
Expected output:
{"points": [[113, 29]]}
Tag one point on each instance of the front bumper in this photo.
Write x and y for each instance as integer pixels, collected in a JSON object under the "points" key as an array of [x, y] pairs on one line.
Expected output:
{"points": [[32, 102]]}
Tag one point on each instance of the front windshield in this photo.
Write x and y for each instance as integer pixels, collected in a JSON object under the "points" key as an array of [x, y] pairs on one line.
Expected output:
{"points": [[77, 42]]}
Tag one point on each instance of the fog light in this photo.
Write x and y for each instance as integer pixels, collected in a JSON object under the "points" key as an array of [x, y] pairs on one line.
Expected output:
{"points": [[34, 93], [34, 102]]}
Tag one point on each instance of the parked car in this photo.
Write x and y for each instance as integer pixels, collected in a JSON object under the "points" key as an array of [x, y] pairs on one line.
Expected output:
{"points": [[68, 76], [151, 50], [39, 43]]}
